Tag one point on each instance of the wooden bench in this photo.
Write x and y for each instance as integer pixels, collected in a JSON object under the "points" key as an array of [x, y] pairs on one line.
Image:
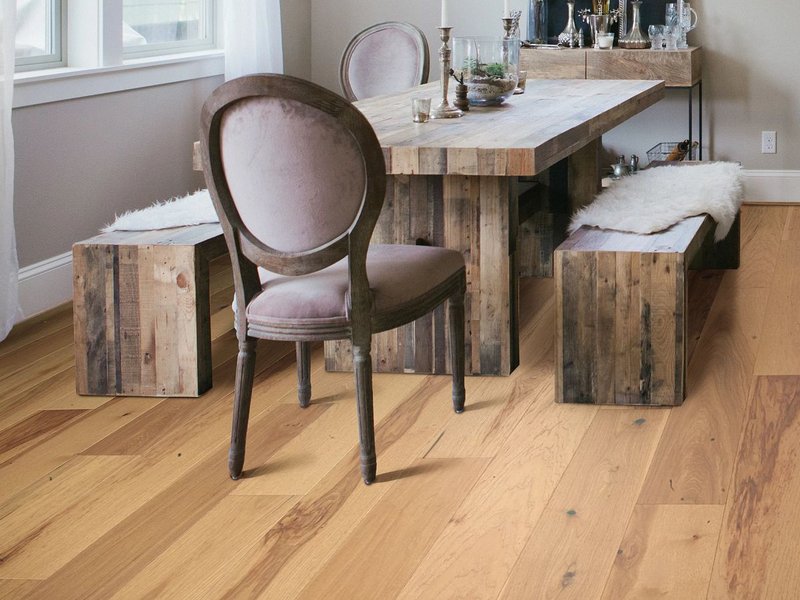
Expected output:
{"points": [[621, 304], [141, 311]]}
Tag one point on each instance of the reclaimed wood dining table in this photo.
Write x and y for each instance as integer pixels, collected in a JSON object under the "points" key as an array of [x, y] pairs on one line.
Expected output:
{"points": [[454, 183]]}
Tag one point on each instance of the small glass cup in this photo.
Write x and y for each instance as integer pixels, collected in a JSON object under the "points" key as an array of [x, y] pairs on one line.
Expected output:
{"points": [[523, 78], [605, 40], [656, 33], [671, 35], [420, 109], [671, 16]]}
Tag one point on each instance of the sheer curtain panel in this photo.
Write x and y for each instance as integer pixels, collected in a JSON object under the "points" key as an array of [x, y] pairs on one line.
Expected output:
{"points": [[252, 37], [9, 298]]}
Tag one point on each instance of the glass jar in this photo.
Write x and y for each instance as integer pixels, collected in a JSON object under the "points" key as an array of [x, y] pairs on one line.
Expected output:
{"points": [[489, 66]]}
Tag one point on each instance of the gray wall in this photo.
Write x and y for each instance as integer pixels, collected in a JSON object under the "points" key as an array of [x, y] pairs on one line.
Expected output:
{"points": [[751, 79], [81, 161], [296, 23]]}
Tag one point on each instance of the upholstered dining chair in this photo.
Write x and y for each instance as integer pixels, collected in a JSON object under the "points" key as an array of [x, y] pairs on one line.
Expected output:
{"points": [[385, 58], [297, 177]]}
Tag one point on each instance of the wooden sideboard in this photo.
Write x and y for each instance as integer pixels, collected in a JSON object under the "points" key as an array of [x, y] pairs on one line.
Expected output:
{"points": [[678, 68], [682, 69]]}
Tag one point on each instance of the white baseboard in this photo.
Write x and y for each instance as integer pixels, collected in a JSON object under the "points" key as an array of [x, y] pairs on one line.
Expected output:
{"points": [[45, 285], [772, 186]]}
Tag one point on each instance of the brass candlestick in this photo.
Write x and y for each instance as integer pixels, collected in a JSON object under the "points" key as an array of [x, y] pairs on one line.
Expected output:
{"points": [[444, 110]]}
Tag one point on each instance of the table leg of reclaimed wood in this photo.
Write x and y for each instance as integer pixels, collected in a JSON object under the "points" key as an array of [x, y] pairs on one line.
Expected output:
{"points": [[476, 215]]}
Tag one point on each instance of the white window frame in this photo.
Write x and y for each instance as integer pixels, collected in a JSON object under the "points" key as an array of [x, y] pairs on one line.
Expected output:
{"points": [[96, 64], [56, 58], [210, 41]]}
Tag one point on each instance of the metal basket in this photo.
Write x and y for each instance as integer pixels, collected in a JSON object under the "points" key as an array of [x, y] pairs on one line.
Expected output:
{"points": [[660, 152]]}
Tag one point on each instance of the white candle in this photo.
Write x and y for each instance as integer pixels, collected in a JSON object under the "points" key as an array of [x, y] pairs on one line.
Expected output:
{"points": [[445, 16], [506, 9]]}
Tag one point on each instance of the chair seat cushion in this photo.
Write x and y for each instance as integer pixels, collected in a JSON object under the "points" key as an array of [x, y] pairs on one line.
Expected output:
{"points": [[398, 276]]}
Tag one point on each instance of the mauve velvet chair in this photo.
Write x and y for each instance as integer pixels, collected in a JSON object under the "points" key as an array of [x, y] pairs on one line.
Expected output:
{"points": [[382, 59], [297, 177]]}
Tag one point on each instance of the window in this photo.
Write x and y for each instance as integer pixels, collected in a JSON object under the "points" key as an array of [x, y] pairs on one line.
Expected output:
{"points": [[46, 28], [157, 27], [39, 39]]}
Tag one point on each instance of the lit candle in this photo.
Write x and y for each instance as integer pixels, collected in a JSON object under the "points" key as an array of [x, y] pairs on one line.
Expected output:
{"points": [[445, 16], [506, 9]]}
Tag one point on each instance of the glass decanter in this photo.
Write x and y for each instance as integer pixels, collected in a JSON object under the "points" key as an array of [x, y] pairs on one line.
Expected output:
{"points": [[635, 37], [569, 37]]}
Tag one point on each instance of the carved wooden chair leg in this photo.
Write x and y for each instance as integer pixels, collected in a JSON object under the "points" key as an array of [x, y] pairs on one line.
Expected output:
{"points": [[362, 366], [455, 306], [245, 367], [304, 373]]}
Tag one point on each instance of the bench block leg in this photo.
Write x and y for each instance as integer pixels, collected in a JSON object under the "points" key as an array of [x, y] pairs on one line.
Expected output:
{"points": [[141, 320], [620, 327]]}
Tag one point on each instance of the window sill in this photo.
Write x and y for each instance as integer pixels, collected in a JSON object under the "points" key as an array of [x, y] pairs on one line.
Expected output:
{"points": [[66, 83]]}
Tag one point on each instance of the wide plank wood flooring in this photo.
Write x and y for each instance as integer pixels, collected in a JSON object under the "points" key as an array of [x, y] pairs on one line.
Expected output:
{"points": [[517, 498]]}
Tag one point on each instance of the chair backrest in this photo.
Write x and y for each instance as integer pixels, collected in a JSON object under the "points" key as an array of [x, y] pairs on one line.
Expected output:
{"points": [[385, 58], [296, 175]]}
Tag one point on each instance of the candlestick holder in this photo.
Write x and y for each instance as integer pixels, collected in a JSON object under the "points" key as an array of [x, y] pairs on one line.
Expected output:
{"points": [[508, 26], [444, 110]]}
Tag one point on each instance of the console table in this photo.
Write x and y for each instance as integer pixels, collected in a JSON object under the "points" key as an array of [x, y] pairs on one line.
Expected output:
{"points": [[681, 69]]}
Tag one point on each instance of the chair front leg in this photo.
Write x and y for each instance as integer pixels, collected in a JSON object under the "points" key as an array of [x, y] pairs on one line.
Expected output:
{"points": [[303, 350], [362, 367], [243, 389], [455, 305]]}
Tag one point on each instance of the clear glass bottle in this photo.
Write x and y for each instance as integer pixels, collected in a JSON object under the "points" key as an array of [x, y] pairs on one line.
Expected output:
{"points": [[537, 21]]}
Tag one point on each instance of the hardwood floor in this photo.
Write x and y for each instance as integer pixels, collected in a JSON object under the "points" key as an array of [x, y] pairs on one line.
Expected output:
{"points": [[517, 498]]}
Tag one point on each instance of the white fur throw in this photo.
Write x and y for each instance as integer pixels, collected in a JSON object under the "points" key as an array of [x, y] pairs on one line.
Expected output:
{"points": [[193, 209], [655, 199]]}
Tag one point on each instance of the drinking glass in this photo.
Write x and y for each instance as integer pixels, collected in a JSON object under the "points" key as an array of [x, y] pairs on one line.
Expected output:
{"points": [[671, 35], [420, 109], [686, 23], [656, 33], [671, 15]]}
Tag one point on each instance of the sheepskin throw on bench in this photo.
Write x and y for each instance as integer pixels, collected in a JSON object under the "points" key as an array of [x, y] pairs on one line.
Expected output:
{"points": [[655, 199], [193, 209]]}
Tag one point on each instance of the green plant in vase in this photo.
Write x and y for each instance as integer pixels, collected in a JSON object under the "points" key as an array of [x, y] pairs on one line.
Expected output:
{"points": [[487, 83]]}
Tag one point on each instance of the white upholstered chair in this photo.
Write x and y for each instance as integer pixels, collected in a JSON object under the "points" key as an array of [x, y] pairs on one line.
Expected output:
{"points": [[385, 58], [297, 177]]}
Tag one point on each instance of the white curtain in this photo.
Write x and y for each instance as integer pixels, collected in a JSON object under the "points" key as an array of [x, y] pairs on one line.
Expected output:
{"points": [[9, 297], [252, 37]]}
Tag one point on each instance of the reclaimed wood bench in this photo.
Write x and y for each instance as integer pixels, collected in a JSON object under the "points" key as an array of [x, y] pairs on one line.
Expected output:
{"points": [[621, 304], [141, 311]]}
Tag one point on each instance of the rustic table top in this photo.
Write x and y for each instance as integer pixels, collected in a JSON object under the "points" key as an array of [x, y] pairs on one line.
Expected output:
{"points": [[524, 136]]}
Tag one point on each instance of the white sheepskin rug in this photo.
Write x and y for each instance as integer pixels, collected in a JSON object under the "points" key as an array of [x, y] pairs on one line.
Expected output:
{"points": [[193, 209], [655, 199]]}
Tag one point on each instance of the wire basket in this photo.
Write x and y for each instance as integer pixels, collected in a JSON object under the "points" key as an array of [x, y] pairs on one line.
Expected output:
{"points": [[661, 152]]}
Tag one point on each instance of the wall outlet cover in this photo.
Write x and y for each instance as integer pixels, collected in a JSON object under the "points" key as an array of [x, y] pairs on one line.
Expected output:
{"points": [[769, 142]]}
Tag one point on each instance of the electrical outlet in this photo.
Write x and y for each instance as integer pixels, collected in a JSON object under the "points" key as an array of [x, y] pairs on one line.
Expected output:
{"points": [[769, 142]]}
